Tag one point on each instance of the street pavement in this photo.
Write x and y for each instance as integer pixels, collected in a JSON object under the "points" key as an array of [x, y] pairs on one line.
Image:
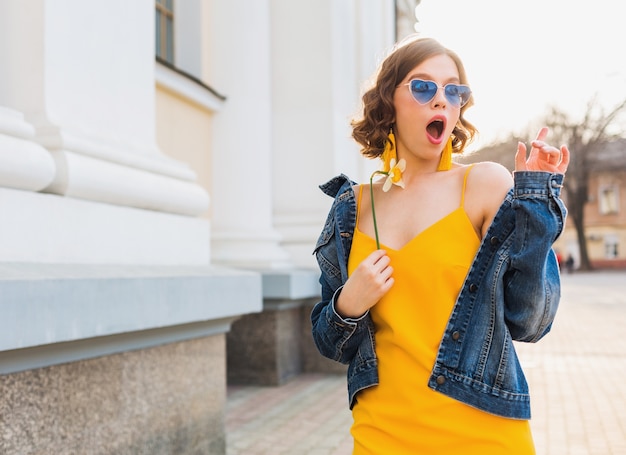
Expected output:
{"points": [[576, 376]]}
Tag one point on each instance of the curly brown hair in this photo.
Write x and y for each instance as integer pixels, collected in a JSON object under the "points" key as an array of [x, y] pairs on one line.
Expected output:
{"points": [[372, 129]]}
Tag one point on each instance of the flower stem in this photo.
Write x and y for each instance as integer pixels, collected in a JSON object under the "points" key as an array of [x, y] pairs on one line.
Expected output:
{"points": [[372, 201]]}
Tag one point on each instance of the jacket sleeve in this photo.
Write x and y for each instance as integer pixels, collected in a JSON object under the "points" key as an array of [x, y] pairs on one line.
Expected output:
{"points": [[335, 337], [532, 284]]}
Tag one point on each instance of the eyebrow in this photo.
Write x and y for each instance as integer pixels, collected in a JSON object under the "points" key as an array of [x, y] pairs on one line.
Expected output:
{"points": [[428, 77]]}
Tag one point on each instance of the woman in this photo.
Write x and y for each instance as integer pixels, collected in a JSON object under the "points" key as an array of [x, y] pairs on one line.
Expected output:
{"points": [[429, 273]]}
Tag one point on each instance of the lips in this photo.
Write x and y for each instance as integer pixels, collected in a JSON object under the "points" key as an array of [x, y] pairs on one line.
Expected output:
{"points": [[435, 129]]}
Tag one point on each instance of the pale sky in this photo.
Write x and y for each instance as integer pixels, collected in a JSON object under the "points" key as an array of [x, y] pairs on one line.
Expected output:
{"points": [[521, 56]]}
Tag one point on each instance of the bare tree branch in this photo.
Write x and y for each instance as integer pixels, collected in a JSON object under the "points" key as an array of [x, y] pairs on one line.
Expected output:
{"points": [[586, 139]]}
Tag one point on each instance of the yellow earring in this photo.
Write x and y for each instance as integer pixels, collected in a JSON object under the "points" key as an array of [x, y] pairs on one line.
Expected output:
{"points": [[445, 163], [389, 152]]}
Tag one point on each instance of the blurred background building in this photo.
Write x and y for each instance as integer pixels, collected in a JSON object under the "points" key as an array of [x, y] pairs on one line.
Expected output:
{"points": [[604, 222], [159, 164]]}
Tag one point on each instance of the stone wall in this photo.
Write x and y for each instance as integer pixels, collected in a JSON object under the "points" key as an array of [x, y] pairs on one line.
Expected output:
{"points": [[271, 347], [162, 400]]}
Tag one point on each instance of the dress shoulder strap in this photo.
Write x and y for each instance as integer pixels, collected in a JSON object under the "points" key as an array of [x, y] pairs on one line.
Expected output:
{"points": [[358, 203], [469, 168]]}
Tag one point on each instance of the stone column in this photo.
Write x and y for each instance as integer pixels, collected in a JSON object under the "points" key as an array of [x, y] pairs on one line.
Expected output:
{"points": [[241, 218], [322, 52]]}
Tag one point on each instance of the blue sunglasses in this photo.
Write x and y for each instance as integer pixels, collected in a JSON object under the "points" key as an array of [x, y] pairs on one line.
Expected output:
{"points": [[424, 91]]}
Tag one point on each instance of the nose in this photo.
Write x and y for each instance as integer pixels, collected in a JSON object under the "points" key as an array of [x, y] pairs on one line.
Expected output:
{"points": [[439, 99]]}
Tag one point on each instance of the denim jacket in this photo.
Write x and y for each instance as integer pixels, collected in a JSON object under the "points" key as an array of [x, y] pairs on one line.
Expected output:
{"points": [[511, 292]]}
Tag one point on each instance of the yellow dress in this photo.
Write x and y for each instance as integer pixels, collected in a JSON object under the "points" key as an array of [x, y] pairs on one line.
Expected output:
{"points": [[402, 415]]}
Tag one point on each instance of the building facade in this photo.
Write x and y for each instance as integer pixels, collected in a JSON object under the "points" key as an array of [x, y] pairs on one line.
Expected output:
{"points": [[605, 221], [159, 214], [149, 204]]}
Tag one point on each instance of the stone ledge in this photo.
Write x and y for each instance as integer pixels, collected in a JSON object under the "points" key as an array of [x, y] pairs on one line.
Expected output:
{"points": [[56, 308], [292, 284]]}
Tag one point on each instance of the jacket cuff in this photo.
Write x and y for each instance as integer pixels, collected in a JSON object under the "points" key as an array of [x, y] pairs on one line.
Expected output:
{"points": [[537, 183], [351, 321]]}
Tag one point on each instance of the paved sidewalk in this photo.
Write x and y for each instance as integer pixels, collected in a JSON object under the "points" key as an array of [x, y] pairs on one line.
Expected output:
{"points": [[576, 375]]}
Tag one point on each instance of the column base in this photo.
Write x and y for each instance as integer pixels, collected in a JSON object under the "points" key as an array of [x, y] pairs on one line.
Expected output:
{"points": [[248, 249], [55, 229]]}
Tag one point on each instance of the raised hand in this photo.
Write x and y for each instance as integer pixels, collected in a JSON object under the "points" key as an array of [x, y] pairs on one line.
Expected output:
{"points": [[542, 157]]}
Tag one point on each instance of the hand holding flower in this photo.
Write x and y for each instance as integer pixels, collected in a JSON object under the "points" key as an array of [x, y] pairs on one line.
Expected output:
{"points": [[369, 282]]}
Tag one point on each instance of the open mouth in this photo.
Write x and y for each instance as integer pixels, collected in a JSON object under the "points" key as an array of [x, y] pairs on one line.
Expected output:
{"points": [[435, 128]]}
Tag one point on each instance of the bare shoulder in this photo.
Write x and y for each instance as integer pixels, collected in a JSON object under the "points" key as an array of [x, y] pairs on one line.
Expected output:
{"points": [[491, 176], [487, 185]]}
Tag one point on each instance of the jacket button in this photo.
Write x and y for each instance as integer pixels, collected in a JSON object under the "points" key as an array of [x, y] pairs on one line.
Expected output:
{"points": [[494, 240], [456, 335], [473, 287], [440, 380]]}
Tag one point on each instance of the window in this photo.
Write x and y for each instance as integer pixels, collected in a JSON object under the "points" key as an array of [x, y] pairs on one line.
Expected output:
{"points": [[611, 246], [608, 200], [164, 16]]}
